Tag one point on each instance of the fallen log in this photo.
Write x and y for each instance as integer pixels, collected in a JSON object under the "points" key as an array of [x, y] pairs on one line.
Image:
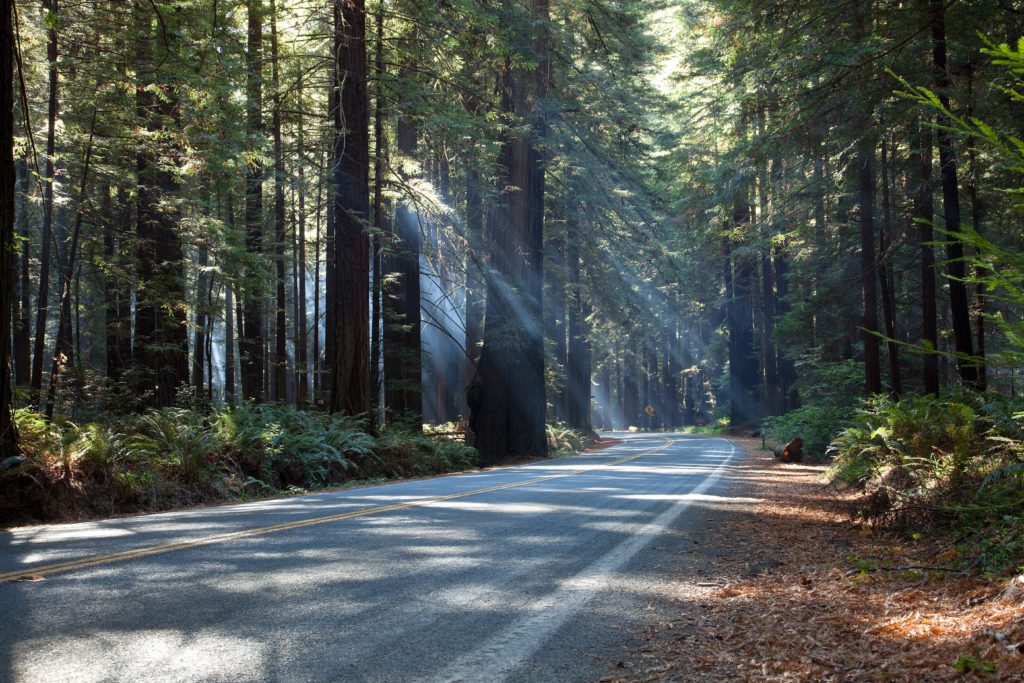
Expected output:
{"points": [[791, 452]]}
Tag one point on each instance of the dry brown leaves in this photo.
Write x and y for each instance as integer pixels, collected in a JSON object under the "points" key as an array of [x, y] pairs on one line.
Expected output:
{"points": [[827, 601]]}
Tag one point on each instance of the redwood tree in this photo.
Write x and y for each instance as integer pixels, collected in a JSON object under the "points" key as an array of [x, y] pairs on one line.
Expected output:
{"points": [[350, 365]]}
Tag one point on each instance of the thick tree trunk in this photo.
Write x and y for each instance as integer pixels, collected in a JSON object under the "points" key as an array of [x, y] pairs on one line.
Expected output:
{"points": [[868, 265], [507, 397], [251, 339], [45, 244], [8, 430], [350, 371], [955, 267]]}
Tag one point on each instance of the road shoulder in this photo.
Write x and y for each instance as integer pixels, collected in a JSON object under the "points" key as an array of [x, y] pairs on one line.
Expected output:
{"points": [[778, 584]]}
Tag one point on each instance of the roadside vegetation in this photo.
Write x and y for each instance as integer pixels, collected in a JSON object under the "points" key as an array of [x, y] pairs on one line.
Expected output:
{"points": [[174, 457]]}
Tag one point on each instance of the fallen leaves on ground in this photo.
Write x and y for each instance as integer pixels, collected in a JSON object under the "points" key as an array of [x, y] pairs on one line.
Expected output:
{"points": [[793, 591]]}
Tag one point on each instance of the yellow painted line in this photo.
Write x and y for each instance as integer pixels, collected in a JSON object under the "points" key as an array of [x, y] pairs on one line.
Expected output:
{"points": [[31, 573]]}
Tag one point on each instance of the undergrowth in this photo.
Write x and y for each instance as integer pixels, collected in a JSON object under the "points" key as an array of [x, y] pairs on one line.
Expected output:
{"points": [[175, 456], [563, 440], [931, 465]]}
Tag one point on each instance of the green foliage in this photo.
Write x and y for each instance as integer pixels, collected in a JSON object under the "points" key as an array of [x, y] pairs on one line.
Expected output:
{"points": [[952, 464], [563, 440], [177, 456], [831, 392], [968, 663]]}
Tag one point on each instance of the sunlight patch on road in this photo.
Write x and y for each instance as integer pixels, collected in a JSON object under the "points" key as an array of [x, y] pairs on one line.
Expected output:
{"points": [[171, 652]]}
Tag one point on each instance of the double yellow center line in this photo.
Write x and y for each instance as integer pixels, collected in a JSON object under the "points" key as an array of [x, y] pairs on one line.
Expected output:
{"points": [[36, 573]]}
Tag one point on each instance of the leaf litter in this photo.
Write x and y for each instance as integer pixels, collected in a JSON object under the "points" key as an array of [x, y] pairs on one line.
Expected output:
{"points": [[791, 590]]}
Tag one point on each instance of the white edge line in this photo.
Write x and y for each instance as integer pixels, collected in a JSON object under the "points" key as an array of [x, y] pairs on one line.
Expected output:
{"points": [[503, 653]]}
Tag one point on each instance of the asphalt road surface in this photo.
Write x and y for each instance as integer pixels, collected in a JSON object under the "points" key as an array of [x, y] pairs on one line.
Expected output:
{"points": [[529, 573]]}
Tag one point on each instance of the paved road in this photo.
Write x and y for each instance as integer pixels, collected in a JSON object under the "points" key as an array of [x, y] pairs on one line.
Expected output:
{"points": [[530, 573]]}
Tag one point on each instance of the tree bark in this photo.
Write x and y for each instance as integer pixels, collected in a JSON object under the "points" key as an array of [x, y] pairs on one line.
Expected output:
{"points": [[301, 331], [62, 353], [955, 267], [45, 244], [379, 218], [8, 430], [403, 359], [923, 213], [578, 360], [251, 339], [868, 265], [350, 380], [740, 286], [21, 315], [885, 279], [507, 396], [280, 362], [160, 324]]}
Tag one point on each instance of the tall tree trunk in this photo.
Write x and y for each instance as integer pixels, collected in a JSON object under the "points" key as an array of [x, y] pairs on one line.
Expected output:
{"points": [[350, 378], [976, 208], [317, 367], [474, 274], [507, 396], [8, 430], [229, 315], [202, 315], [923, 213], [45, 244], [160, 324], [787, 367], [555, 323], [379, 218], [63, 349], [578, 361], [301, 331], [251, 339], [280, 362], [955, 267], [403, 360], [868, 265], [741, 284], [118, 315], [23, 301], [885, 279]]}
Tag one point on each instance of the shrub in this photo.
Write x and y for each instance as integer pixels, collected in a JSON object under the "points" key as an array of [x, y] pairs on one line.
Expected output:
{"points": [[173, 456], [928, 463], [563, 440]]}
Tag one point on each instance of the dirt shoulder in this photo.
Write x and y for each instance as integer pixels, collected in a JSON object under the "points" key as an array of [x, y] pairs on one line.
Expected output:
{"points": [[782, 587]]}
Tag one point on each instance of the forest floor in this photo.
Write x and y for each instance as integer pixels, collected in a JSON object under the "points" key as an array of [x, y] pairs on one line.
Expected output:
{"points": [[788, 588]]}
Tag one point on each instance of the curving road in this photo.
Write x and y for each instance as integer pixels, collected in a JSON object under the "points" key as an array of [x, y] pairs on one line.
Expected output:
{"points": [[529, 573]]}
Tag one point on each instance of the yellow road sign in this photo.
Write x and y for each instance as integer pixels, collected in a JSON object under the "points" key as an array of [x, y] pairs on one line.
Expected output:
{"points": [[649, 410]]}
